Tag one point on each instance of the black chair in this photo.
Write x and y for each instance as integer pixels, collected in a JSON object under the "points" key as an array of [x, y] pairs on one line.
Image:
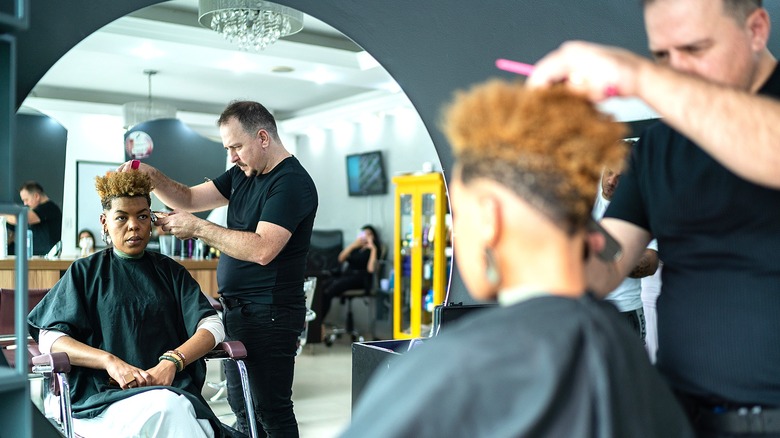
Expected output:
{"points": [[324, 249], [321, 262], [368, 295]]}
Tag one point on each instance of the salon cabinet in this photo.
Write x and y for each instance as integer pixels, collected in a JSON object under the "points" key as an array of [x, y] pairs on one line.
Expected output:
{"points": [[422, 251]]}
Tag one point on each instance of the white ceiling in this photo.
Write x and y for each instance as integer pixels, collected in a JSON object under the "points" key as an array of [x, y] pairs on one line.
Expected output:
{"points": [[200, 72]]}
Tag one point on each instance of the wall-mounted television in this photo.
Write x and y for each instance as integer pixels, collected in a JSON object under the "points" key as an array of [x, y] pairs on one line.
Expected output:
{"points": [[366, 174]]}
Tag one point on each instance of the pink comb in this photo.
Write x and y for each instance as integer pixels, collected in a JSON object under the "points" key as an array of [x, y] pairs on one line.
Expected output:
{"points": [[515, 67]]}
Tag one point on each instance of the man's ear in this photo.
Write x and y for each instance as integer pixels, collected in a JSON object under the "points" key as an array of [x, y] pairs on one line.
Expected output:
{"points": [[264, 138], [759, 25]]}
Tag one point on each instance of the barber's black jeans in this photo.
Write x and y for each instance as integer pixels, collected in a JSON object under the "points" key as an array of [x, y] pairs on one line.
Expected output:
{"points": [[270, 334]]}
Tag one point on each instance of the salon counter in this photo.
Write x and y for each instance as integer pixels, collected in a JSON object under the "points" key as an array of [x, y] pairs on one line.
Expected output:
{"points": [[44, 273]]}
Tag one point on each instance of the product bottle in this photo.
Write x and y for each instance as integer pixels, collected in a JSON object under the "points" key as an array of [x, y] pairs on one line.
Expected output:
{"points": [[3, 239], [29, 243]]}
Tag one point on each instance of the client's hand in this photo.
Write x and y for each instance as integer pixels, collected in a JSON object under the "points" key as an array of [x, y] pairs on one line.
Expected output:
{"points": [[162, 374], [126, 375]]}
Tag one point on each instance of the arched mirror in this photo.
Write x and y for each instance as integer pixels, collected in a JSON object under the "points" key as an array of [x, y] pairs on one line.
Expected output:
{"points": [[334, 103]]}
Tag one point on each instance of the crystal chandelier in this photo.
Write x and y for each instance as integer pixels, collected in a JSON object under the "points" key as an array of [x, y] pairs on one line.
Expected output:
{"points": [[251, 23], [142, 111]]}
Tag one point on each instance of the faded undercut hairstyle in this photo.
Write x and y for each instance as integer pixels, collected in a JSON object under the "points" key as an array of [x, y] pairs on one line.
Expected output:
{"points": [[548, 146], [737, 9], [252, 116], [32, 187], [123, 185]]}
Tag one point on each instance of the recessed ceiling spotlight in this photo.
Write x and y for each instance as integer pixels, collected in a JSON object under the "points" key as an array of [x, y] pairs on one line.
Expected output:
{"points": [[282, 69]]}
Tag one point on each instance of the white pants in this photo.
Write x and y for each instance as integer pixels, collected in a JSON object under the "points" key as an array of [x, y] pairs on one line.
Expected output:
{"points": [[155, 413]]}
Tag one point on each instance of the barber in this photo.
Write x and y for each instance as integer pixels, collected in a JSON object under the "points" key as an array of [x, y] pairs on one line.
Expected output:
{"points": [[706, 183], [271, 203]]}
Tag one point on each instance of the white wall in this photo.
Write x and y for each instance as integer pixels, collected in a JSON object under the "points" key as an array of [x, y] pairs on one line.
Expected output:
{"points": [[405, 146], [95, 133]]}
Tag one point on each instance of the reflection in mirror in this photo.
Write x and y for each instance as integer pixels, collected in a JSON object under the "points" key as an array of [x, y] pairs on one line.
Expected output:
{"points": [[331, 99]]}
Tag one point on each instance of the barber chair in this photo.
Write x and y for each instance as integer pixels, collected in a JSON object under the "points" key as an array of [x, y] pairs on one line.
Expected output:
{"points": [[309, 286], [55, 367], [7, 319], [368, 295]]}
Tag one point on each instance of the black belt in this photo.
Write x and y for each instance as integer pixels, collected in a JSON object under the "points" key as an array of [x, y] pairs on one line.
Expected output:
{"points": [[231, 303], [744, 420], [732, 418]]}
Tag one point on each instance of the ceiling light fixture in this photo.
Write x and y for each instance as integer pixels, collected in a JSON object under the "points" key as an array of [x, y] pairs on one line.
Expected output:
{"points": [[142, 111], [251, 23]]}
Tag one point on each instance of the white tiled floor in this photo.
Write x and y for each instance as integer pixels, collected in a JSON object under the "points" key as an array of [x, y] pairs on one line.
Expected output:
{"points": [[322, 391]]}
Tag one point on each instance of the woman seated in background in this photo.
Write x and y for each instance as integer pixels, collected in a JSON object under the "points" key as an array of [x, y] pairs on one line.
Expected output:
{"points": [[360, 258], [551, 360], [135, 325], [86, 242]]}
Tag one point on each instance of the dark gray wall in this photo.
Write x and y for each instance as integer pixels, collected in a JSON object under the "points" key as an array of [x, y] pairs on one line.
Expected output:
{"points": [[430, 47], [40, 154], [181, 153]]}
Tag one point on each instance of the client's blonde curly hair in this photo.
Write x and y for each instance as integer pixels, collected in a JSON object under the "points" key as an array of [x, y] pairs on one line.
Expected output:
{"points": [[546, 145], [123, 185]]}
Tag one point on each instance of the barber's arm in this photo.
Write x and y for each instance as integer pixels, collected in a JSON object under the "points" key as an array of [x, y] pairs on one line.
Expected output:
{"points": [[603, 277], [646, 266], [261, 246], [737, 128], [32, 218], [204, 196]]}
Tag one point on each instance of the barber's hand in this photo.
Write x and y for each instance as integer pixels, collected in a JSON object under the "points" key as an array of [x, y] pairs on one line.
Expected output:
{"points": [[127, 166], [162, 374], [596, 71], [126, 375], [181, 224]]}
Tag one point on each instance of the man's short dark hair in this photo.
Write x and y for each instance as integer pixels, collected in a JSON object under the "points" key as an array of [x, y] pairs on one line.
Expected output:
{"points": [[737, 9], [252, 116], [32, 187]]}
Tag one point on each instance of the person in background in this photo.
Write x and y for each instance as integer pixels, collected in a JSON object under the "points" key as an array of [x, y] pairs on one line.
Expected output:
{"points": [[86, 242], [272, 202], [704, 182], [627, 297], [360, 258], [134, 324], [551, 360], [44, 218]]}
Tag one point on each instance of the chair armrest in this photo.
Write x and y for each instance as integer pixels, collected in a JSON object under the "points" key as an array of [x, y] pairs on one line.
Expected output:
{"points": [[59, 362], [231, 349], [216, 304]]}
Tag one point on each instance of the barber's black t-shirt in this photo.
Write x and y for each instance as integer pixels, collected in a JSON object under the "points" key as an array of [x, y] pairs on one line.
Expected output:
{"points": [[286, 196], [719, 238], [48, 231]]}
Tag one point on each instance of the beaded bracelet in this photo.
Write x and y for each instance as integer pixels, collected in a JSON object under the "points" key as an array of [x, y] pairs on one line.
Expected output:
{"points": [[174, 359], [180, 354]]}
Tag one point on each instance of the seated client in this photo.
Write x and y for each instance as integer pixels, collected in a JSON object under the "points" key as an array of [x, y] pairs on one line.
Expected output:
{"points": [[135, 325], [360, 258], [551, 360]]}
